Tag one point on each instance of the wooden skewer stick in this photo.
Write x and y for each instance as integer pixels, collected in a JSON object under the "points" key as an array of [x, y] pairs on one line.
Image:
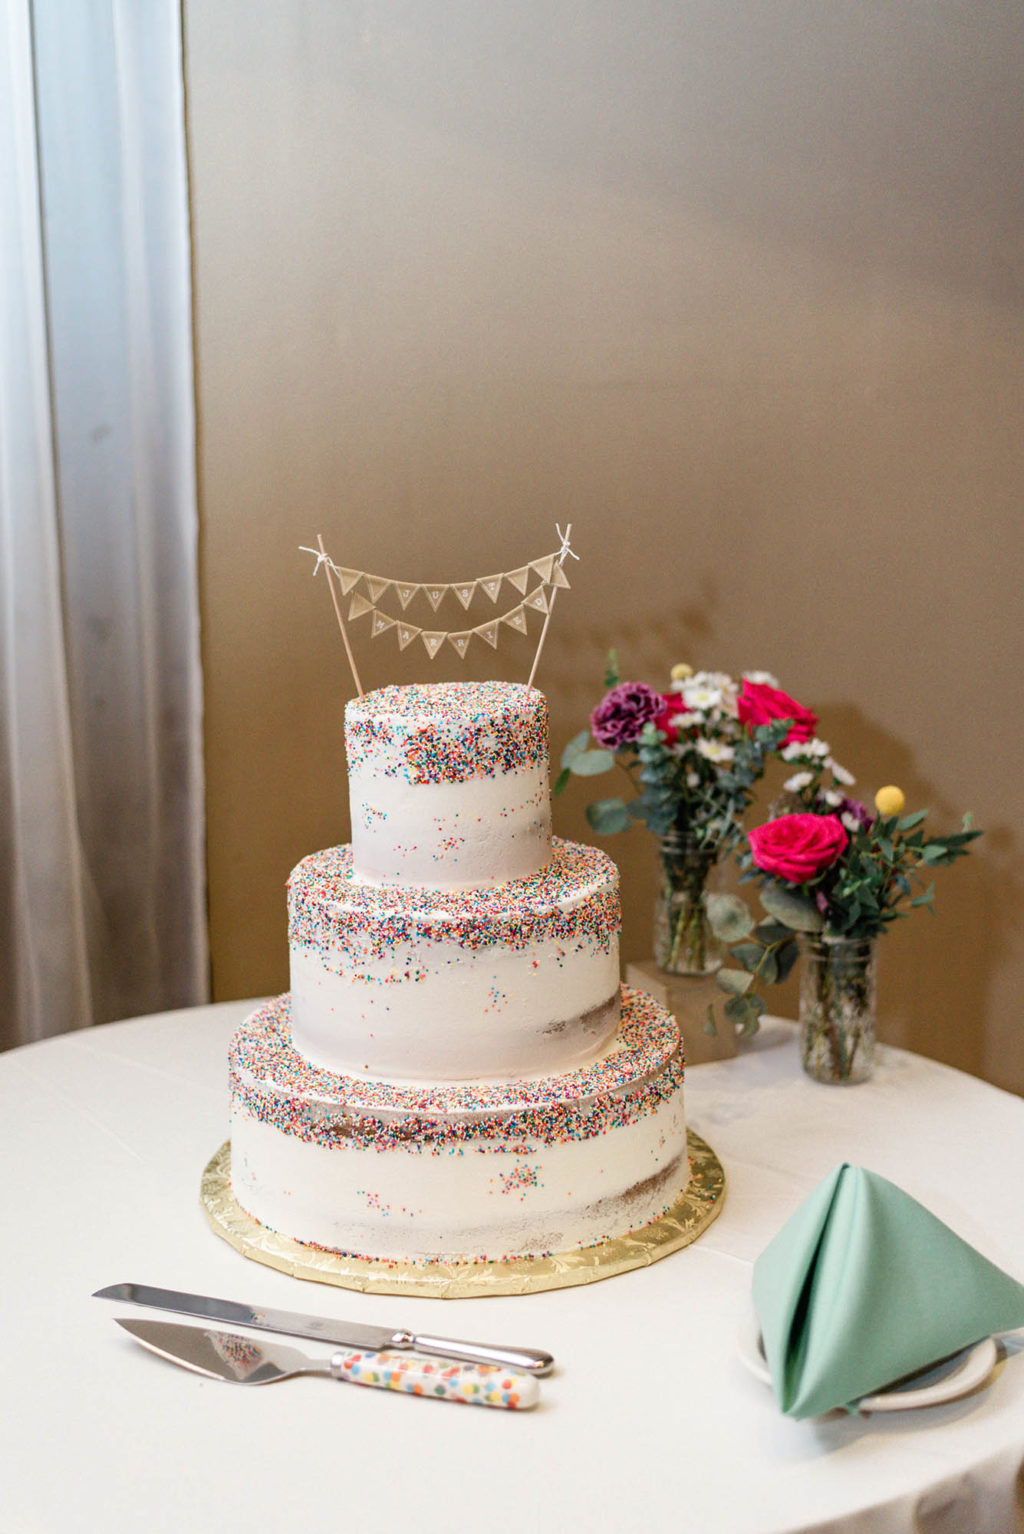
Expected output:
{"points": [[551, 603], [337, 610]]}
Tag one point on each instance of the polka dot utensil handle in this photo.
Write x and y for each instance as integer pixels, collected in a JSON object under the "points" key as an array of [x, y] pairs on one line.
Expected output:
{"points": [[472, 1385]]}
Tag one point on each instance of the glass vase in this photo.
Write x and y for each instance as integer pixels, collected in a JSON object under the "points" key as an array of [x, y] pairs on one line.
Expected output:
{"points": [[684, 943], [837, 1008]]}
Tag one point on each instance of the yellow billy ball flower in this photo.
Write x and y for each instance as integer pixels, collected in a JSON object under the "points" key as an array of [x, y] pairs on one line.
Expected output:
{"points": [[681, 672], [890, 800]]}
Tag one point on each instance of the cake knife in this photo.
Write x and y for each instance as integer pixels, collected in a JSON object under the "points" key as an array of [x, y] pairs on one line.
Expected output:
{"points": [[351, 1334]]}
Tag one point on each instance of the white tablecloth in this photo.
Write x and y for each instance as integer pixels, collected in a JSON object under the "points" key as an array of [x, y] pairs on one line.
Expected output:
{"points": [[651, 1421]]}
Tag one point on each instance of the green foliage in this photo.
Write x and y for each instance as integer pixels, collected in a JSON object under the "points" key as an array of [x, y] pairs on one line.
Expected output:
{"points": [[611, 670], [798, 912], [765, 950], [589, 763], [575, 748], [867, 888], [607, 816], [729, 916]]}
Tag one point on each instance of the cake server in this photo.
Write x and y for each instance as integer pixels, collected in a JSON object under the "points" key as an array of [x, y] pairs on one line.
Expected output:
{"points": [[351, 1334], [240, 1360]]}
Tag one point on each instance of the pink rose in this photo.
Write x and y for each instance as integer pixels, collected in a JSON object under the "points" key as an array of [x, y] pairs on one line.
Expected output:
{"points": [[760, 704], [673, 706], [797, 848]]}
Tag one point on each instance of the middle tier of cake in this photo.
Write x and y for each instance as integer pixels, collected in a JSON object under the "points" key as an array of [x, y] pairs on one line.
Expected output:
{"points": [[517, 980]]}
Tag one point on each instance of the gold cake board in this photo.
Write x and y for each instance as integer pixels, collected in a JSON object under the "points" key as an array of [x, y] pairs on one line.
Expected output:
{"points": [[688, 1218]]}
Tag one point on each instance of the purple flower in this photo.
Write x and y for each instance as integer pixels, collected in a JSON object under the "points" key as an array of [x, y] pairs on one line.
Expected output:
{"points": [[622, 713], [857, 811]]}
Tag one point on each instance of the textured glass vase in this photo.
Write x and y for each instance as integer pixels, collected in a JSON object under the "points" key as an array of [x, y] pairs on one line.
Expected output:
{"points": [[684, 943], [837, 1008]]}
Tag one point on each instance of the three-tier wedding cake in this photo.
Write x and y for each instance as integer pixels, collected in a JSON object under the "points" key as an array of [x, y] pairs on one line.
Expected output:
{"points": [[456, 1074]]}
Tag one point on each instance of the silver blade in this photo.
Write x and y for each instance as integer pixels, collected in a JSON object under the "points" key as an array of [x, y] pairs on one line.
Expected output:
{"points": [[218, 1355], [349, 1334]]}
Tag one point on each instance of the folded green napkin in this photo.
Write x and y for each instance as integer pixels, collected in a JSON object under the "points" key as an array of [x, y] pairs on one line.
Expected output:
{"points": [[863, 1286]]}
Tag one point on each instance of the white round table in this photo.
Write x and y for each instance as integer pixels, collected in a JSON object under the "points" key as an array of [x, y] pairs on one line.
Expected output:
{"points": [[651, 1420]]}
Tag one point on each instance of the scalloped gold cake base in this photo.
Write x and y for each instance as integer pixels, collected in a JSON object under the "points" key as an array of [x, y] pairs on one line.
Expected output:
{"points": [[683, 1223]]}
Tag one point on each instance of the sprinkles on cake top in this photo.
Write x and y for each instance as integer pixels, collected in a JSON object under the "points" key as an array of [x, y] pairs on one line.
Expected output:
{"points": [[447, 732], [277, 1086]]}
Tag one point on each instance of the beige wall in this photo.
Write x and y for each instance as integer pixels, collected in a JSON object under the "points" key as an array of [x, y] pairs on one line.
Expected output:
{"points": [[736, 289]]}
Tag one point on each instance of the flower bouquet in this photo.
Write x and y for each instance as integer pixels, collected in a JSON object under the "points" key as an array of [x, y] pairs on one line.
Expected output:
{"points": [[839, 875], [693, 755]]}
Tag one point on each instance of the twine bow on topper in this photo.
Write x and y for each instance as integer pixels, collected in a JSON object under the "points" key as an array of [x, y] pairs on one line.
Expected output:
{"points": [[365, 591]]}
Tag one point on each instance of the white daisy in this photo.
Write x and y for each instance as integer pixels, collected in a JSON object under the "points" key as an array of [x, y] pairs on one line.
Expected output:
{"points": [[798, 781], [833, 798], [840, 773], [697, 695], [715, 750], [761, 678]]}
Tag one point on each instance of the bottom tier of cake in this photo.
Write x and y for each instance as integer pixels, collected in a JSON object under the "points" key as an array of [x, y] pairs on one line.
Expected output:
{"points": [[473, 1172]]}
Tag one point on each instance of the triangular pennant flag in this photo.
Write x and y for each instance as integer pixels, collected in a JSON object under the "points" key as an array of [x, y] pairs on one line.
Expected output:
{"points": [[559, 578], [406, 635], [461, 642], [380, 624], [860, 1249], [543, 567], [436, 595], [465, 593], [517, 619], [432, 641], [492, 585], [519, 578], [489, 631], [538, 599], [358, 606], [347, 578], [406, 594], [376, 587]]}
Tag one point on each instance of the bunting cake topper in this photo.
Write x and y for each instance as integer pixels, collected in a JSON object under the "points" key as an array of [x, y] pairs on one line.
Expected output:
{"points": [[364, 591]]}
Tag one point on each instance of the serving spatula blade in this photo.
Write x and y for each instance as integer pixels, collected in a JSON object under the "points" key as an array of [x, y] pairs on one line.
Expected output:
{"points": [[244, 1361]]}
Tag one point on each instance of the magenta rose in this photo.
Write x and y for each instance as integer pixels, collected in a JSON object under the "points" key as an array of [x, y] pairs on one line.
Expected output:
{"points": [[672, 706], [622, 713], [758, 703], [797, 848]]}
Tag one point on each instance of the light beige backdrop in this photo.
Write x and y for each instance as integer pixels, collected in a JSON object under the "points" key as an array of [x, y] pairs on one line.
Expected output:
{"points": [[737, 290]]}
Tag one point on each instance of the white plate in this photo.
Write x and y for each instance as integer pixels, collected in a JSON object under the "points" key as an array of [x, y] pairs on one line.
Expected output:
{"points": [[946, 1381]]}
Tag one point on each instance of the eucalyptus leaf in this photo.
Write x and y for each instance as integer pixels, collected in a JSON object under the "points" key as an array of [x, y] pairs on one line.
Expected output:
{"points": [[607, 816], [730, 917], [749, 955], [561, 781], [744, 1011], [794, 911], [575, 748], [735, 982], [710, 1026], [786, 956], [911, 822], [771, 932], [589, 763]]}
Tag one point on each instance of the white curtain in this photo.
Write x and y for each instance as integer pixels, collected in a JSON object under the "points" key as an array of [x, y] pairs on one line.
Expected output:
{"points": [[102, 896]]}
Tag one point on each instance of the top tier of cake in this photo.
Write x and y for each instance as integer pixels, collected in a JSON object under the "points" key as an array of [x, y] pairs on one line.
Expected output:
{"points": [[448, 784]]}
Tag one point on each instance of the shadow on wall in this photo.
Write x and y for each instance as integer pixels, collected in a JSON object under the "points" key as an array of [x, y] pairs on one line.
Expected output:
{"points": [[936, 974]]}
